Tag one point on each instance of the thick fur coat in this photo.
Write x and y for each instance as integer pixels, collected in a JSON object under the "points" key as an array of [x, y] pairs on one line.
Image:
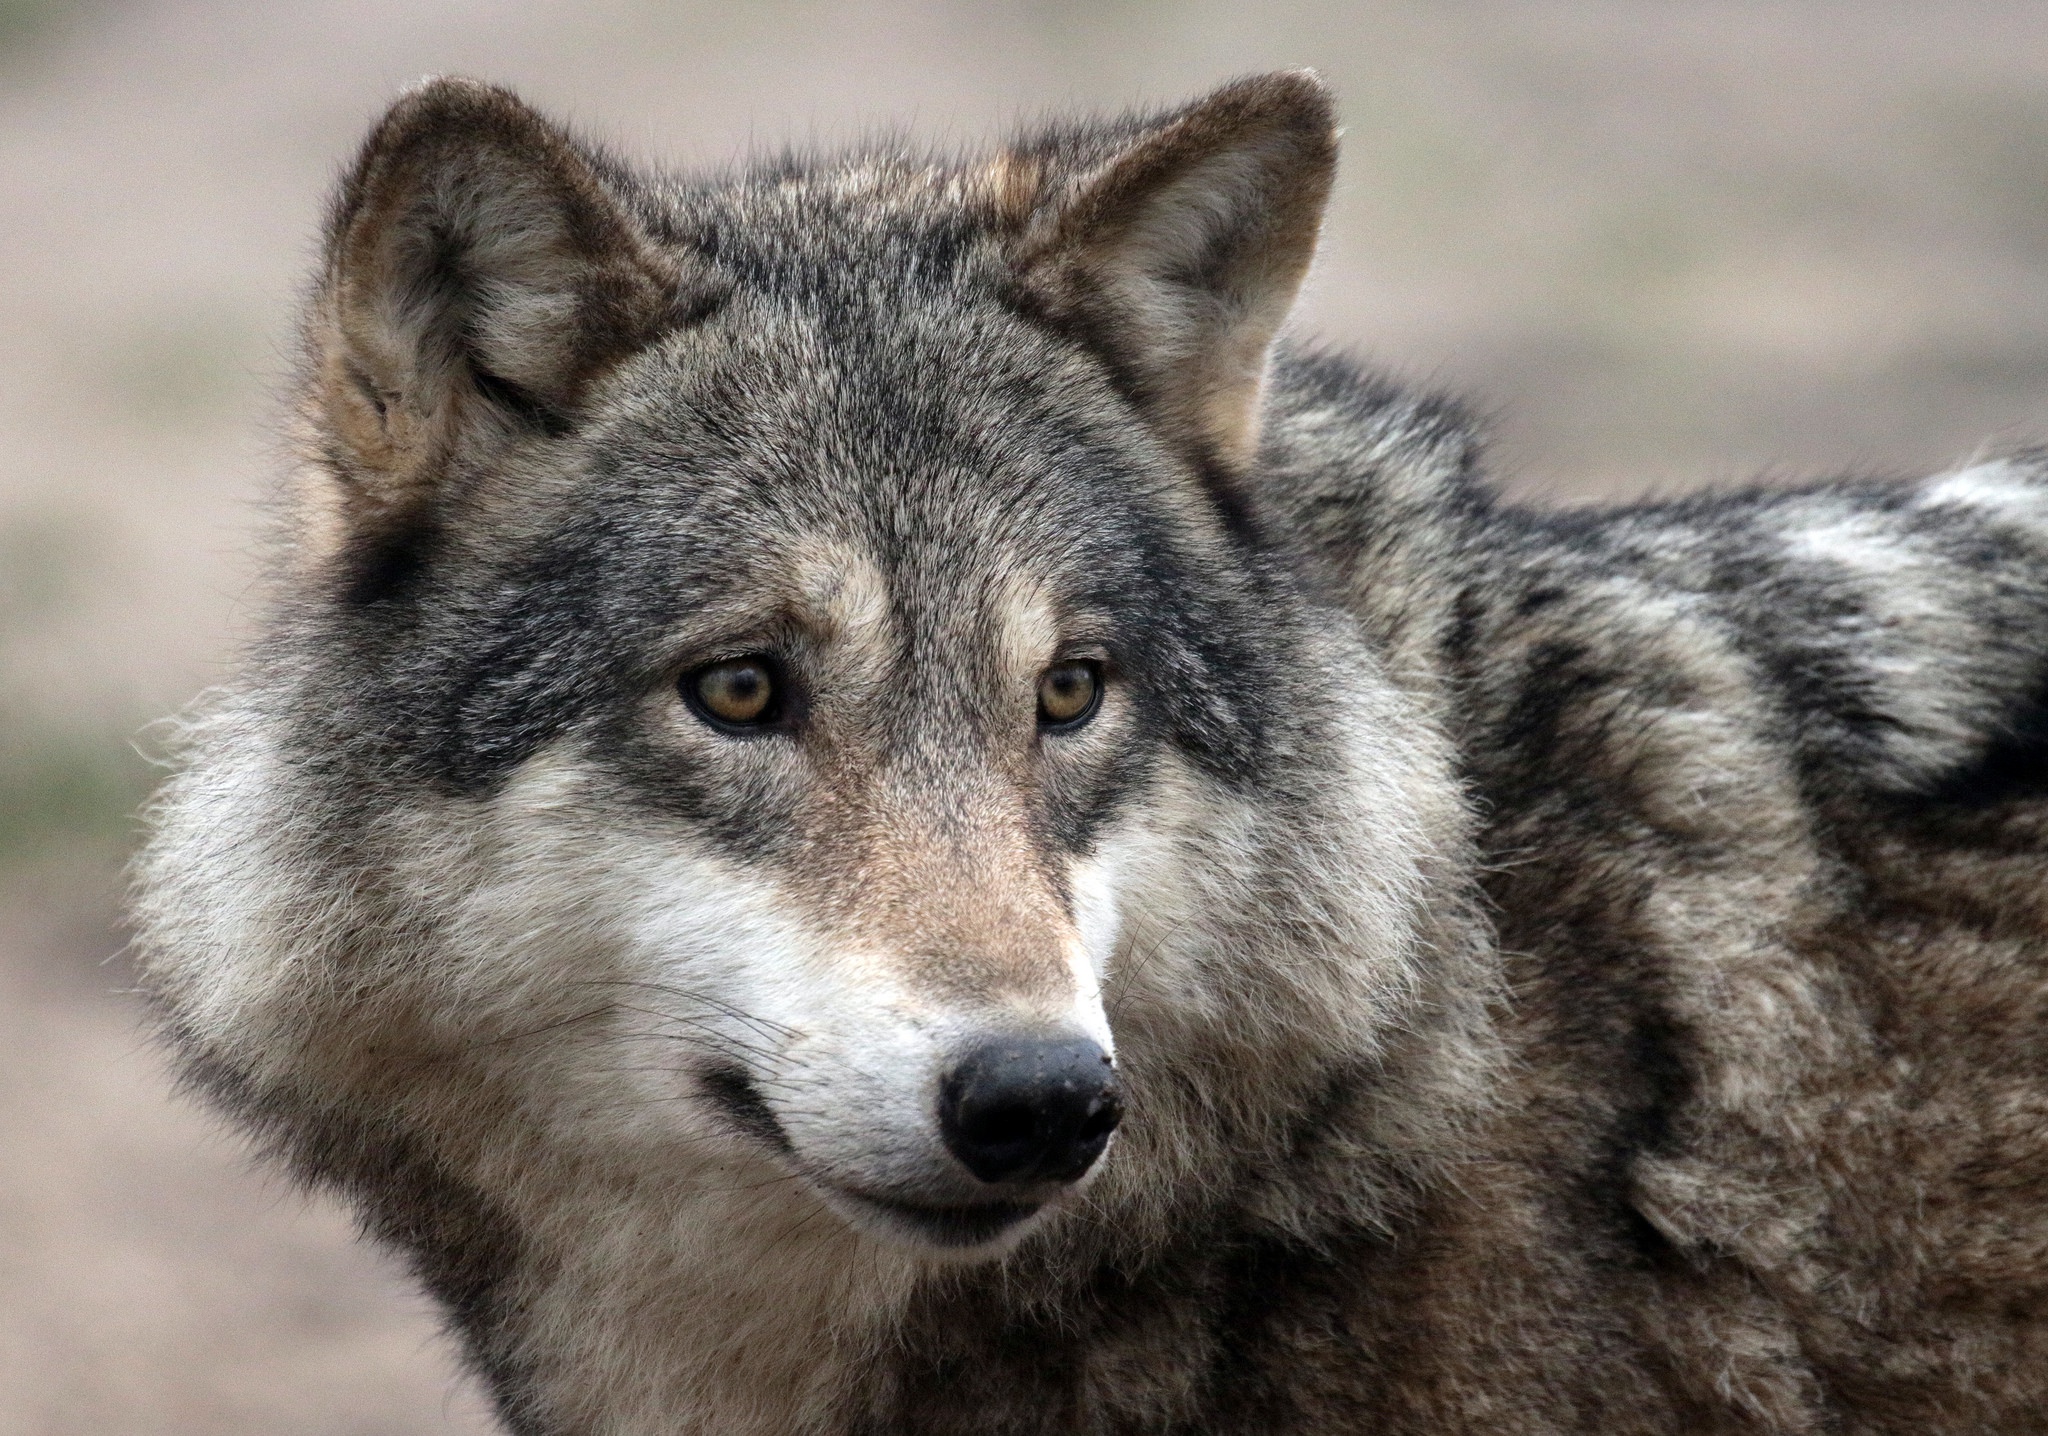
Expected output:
{"points": [[1565, 972]]}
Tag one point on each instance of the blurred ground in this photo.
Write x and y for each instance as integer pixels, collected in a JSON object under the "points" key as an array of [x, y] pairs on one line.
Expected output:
{"points": [[1664, 244]]}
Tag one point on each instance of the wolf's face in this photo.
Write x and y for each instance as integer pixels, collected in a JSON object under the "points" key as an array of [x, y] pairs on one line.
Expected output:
{"points": [[801, 598], [814, 699]]}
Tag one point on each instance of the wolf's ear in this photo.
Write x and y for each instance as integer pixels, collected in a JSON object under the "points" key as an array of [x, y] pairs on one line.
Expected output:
{"points": [[480, 273], [1179, 255]]}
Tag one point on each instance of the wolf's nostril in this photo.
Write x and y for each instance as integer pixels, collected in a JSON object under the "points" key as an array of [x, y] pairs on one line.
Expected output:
{"points": [[1101, 1122], [1030, 1109], [1001, 1126]]}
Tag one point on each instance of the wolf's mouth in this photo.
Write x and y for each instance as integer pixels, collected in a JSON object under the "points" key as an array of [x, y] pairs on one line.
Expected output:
{"points": [[733, 1095], [944, 1226]]}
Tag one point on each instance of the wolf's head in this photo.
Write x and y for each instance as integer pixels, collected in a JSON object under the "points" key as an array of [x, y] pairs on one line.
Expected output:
{"points": [[785, 687]]}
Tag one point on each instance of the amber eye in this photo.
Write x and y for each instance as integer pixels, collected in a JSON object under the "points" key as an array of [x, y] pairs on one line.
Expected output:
{"points": [[1068, 693], [738, 693]]}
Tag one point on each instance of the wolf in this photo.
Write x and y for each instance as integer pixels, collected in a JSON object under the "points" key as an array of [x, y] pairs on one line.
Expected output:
{"points": [[867, 806]]}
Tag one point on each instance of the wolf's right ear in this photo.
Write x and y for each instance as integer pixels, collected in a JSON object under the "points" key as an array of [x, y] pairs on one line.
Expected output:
{"points": [[1178, 253], [480, 273]]}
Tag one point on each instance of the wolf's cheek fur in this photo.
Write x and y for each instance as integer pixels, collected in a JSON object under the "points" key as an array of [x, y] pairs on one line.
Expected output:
{"points": [[662, 995]]}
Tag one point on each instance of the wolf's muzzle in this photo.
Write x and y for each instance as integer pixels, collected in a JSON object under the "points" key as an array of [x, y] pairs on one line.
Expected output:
{"points": [[1020, 1110]]}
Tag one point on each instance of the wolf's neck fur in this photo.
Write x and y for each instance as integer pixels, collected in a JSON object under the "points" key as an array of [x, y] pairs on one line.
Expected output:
{"points": [[745, 1307]]}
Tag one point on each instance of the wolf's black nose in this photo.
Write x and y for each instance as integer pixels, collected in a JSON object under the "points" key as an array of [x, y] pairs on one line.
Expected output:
{"points": [[1030, 1109]]}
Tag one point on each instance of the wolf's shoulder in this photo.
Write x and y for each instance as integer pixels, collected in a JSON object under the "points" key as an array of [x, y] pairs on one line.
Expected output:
{"points": [[1890, 638], [1883, 637], [1376, 489], [1348, 450]]}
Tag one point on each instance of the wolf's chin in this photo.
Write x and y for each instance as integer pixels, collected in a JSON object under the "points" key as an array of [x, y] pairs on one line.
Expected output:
{"points": [[970, 1232]]}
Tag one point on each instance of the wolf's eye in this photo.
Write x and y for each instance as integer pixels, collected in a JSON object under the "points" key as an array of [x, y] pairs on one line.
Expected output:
{"points": [[737, 693], [1068, 693]]}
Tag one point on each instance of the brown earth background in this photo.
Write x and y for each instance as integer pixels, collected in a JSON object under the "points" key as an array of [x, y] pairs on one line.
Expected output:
{"points": [[1665, 244]]}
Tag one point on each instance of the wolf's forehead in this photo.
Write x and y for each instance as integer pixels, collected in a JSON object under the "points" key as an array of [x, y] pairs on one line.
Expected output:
{"points": [[958, 481], [886, 366], [834, 587], [859, 595], [838, 489]]}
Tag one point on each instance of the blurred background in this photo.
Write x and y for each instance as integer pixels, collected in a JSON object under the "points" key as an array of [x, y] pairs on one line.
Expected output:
{"points": [[1663, 243]]}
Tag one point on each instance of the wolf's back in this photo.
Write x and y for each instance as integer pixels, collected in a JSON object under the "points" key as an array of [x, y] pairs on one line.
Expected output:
{"points": [[1765, 822]]}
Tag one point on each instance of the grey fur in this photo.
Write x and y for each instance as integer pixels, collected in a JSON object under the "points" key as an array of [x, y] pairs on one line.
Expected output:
{"points": [[1568, 971]]}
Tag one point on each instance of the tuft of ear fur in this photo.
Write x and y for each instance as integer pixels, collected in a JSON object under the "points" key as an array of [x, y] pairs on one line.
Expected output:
{"points": [[480, 273], [1179, 255]]}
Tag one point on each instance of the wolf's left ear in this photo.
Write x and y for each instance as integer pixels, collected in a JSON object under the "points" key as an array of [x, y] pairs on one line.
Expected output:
{"points": [[1179, 255]]}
